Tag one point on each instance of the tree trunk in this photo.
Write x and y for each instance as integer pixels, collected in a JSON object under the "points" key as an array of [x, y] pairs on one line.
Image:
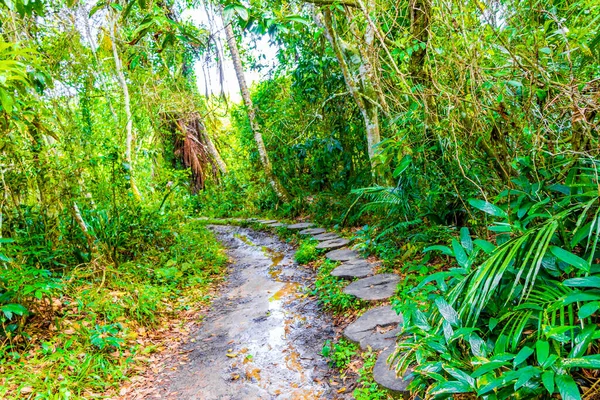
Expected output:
{"points": [[127, 104], [262, 151], [213, 150], [361, 91]]}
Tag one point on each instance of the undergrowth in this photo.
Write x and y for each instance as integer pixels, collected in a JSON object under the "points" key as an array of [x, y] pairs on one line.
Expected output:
{"points": [[329, 290], [91, 327], [306, 252]]}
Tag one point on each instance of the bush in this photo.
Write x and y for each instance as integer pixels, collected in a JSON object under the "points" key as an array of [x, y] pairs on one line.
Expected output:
{"points": [[307, 252]]}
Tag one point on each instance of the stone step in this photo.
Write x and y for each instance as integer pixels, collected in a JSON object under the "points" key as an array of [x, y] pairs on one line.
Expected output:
{"points": [[342, 255], [312, 231], [276, 225], [267, 221], [333, 244], [386, 377], [356, 269], [326, 236], [301, 225], [377, 328], [377, 287]]}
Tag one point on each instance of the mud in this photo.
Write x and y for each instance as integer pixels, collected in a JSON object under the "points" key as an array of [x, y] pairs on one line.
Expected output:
{"points": [[262, 336]]}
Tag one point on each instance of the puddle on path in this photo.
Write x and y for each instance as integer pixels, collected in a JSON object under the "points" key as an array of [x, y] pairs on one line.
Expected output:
{"points": [[262, 338]]}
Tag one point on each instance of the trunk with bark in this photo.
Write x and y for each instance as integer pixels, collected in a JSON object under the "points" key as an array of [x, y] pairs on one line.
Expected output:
{"points": [[262, 151], [127, 105]]}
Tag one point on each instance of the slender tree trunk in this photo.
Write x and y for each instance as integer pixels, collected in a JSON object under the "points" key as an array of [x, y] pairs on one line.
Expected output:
{"points": [[262, 151], [363, 92], [129, 126], [212, 149]]}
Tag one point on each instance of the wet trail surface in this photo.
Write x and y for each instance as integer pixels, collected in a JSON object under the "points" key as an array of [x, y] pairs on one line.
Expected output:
{"points": [[262, 337]]}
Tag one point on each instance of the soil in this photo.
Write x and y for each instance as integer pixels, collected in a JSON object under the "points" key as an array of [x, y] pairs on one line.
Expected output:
{"points": [[263, 335]]}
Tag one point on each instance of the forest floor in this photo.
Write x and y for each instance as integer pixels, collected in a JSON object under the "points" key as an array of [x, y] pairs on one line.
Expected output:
{"points": [[262, 336]]}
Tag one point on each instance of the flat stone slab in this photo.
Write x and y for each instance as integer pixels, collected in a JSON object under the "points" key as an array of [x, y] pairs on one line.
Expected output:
{"points": [[301, 225], [342, 255], [351, 270], [386, 377], [267, 221], [277, 224], [377, 328], [326, 236], [377, 287], [312, 231], [333, 244]]}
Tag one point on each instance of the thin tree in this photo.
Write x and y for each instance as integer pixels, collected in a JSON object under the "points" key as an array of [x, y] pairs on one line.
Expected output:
{"points": [[127, 103], [262, 150]]}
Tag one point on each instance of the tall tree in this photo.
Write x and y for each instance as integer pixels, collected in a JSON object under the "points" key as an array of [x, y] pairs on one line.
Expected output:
{"points": [[262, 150], [360, 80], [127, 104]]}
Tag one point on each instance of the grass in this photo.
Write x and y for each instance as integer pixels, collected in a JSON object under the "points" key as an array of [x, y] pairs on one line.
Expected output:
{"points": [[102, 327]]}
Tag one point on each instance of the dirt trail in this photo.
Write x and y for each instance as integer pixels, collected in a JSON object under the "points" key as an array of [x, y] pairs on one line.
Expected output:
{"points": [[262, 337]]}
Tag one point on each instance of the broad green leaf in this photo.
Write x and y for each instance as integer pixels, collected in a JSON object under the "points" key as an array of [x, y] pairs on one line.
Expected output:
{"points": [[488, 367], [450, 387], [588, 362], [13, 309], [465, 240], [548, 381], [542, 350], [567, 387], [447, 311], [444, 249], [484, 245], [522, 355], [570, 258], [588, 309], [461, 257], [403, 165], [587, 281], [488, 208]]}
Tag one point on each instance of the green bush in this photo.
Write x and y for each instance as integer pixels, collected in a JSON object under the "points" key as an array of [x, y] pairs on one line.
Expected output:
{"points": [[307, 252]]}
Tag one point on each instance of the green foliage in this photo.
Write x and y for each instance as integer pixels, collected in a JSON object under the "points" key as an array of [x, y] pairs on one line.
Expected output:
{"points": [[367, 388], [98, 313], [339, 354], [329, 290], [518, 316], [306, 252]]}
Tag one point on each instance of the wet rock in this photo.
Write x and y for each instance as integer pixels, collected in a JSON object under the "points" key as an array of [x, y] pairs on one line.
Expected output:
{"points": [[301, 225], [312, 231], [378, 287], [386, 377], [277, 224], [342, 255], [333, 244], [326, 236], [267, 221], [351, 270], [376, 328]]}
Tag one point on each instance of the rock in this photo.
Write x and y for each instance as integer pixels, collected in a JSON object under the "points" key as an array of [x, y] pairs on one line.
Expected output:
{"points": [[386, 377], [312, 231], [357, 269], [333, 244], [277, 224], [326, 236], [376, 328], [342, 255], [267, 221], [378, 287], [301, 225]]}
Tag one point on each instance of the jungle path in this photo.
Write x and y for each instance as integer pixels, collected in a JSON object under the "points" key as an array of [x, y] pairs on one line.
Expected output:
{"points": [[262, 336]]}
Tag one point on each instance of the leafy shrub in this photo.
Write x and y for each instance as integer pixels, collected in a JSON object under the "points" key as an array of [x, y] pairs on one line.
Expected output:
{"points": [[340, 354], [329, 290], [307, 252], [518, 318]]}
